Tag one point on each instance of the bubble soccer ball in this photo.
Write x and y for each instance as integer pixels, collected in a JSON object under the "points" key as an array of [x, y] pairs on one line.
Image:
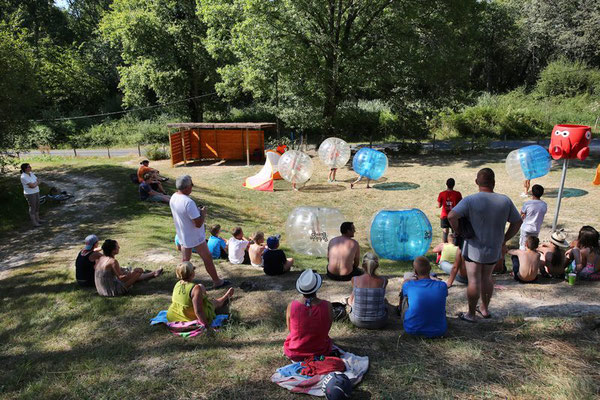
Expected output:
{"points": [[334, 152], [369, 163], [400, 235], [295, 166], [528, 163], [309, 229]]}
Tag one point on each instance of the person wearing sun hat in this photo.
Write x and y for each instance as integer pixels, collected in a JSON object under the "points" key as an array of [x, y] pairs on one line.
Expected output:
{"points": [[86, 259], [308, 321], [553, 255]]}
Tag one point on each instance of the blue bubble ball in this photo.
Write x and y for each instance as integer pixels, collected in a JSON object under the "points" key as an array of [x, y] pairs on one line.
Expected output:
{"points": [[400, 235], [370, 163], [528, 162]]}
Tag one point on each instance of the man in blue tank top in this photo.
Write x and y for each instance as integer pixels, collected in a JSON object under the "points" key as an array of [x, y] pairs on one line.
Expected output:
{"points": [[423, 302]]}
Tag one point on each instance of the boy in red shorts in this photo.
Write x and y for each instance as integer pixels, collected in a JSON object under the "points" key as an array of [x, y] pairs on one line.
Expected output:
{"points": [[447, 200]]}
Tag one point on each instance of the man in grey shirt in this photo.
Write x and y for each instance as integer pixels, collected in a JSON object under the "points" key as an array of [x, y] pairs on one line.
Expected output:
{"points": [[488, 213]]}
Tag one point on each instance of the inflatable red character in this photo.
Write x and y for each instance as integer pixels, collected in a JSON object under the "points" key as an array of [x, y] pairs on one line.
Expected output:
{"points": [[570, 141]]}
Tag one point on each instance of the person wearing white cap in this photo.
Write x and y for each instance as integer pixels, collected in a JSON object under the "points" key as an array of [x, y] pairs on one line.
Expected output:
{"points": [[553, 255], [308, 321], [86, 259]]}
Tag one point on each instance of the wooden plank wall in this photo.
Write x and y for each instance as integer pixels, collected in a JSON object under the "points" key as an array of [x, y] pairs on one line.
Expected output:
{"points": [[176, 148]]}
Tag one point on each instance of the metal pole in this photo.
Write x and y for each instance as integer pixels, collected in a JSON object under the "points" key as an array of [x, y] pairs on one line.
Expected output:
{"points": [[247, 149], [560, 193]]}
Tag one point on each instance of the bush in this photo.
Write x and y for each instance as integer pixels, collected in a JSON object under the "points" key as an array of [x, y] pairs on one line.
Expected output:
{"points": [[157, 152], [566, 78]]}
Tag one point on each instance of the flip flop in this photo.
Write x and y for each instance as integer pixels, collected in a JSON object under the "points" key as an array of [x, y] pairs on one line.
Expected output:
{"points": [[463, 316], [226, 282], [478, 311]]}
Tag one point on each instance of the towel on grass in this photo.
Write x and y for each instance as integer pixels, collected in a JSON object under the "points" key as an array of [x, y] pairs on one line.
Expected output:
{"points": [[187, 329], [356, 367]]}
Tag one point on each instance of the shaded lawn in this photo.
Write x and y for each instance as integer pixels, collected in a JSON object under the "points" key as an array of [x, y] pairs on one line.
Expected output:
{"points": [[58, 341]]}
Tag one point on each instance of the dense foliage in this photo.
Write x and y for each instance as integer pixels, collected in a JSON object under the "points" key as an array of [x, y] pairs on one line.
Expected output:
{"points": [[360, 69]]}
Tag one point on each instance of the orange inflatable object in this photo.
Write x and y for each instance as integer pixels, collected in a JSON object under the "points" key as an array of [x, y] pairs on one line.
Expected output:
{"points": [[570, 141], [597, 178], [263, 180]]}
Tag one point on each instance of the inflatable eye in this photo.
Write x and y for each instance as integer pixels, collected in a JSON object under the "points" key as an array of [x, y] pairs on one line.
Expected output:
{"points": [[565, 133], [557, 132], [588, 135]]}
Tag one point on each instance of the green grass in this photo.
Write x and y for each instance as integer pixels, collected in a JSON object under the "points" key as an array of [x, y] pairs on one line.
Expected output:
{"points": [[60, 341]]}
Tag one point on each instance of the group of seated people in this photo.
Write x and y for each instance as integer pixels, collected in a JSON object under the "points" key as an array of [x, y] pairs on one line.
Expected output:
{"points": [[254, 251], [150, 184]]}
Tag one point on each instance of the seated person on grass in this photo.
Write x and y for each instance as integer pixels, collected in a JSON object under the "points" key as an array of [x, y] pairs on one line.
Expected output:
{"points": [[369, 307], [85, 262], [216, 244], [190, 301], [274, 260], [423, 302], [149, 194], [343, 255], [526, 263], [553, 256], [587, 254], [451, 260], [256, 249], [308, 321], [238, 247], [110, 279], [144, 168]]}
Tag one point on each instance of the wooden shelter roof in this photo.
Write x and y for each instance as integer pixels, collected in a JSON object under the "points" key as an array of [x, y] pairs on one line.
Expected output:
{"points": [[223, 125]]}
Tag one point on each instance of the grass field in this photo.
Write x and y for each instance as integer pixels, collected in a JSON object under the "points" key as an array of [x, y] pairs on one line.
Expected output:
{"points": [[59, 341]]}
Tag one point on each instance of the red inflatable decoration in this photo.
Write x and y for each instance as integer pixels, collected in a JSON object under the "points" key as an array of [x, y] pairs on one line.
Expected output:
{"points": [[570, 141]]}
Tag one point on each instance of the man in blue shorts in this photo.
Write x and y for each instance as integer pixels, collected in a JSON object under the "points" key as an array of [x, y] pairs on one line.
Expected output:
{"points": [[487, 212]]}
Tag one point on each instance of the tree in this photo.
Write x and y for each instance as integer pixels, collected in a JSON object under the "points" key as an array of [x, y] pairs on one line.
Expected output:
{"points": [[161, 45], [315, 54]]}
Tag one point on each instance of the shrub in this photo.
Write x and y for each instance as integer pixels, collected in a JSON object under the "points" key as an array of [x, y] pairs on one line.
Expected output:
{"points": [[157, 152], [566, 78]]}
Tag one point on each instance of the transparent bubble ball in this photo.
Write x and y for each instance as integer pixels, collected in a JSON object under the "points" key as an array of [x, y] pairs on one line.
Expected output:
{"points": [[400, 235], [309, 229], [295, 166], [370, 163], [334, 152]]}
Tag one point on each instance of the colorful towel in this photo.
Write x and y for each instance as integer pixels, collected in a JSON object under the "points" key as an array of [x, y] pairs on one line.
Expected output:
{"points": [[187, 329], [356, 367]]}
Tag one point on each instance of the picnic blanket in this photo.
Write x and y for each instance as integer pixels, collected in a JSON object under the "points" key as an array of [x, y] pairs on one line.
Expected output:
{"points": [[356, 367], [187, 329]]}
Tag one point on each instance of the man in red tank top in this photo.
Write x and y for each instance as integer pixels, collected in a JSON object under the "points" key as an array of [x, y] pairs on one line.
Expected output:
{"points": [[447, 200]]}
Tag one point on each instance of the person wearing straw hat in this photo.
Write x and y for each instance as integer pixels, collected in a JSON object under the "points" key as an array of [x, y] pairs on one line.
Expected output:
{"points": [[86, 259], [553, 256], [308, 321]]}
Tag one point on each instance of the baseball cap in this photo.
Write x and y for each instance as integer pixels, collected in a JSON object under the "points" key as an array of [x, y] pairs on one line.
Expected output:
{"points": [[90, 241], [273, 241], [144, 161]]}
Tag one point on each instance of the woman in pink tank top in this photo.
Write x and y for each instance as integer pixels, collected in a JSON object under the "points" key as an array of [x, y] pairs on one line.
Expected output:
{"points": [[308, 321]]}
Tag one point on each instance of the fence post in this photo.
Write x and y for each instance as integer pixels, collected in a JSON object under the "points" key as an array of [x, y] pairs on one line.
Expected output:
{"points": [[434, 142], [505, 142], [108, 151], [75, 151], [139, 151]]}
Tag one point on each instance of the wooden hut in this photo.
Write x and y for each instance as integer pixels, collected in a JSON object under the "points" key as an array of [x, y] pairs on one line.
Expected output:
{"points": [[223, 141]]}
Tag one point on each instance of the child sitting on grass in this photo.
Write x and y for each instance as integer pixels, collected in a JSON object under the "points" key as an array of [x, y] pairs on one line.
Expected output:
{"points": [[216, 244], [238, 247], [274, 260], [190, 301], [526, 263], [256, 249]]}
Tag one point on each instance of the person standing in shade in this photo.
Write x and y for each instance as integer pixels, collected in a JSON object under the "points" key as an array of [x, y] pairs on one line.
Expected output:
{"points": [[31, 189], [85, 262], [488, 213], [447, 200], [532, 213], [189, 225]]}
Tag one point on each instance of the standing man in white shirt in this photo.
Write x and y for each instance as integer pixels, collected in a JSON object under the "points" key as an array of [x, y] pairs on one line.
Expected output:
{"points": [[189, 225], [31, 189], [532, 213]]}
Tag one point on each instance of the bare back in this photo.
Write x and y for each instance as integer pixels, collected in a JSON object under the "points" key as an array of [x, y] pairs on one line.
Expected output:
{"points": [[108, 263], [529, 264], [343, 255], [255, 252]]}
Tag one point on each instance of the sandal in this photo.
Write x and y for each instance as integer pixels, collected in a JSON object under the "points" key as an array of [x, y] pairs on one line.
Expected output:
{"points": [[463, 316], [478, 311]]}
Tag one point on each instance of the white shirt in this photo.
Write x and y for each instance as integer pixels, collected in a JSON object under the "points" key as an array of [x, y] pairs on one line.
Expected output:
{"points": [[534, 211], [236, 249], [184, 212], [29, 178]]}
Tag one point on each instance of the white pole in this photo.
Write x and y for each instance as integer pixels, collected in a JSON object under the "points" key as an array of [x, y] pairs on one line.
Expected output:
{"points": [[560, 192]]}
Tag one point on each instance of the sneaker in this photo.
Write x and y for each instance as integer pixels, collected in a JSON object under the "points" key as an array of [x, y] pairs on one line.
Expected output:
{"points": [[524, 194]]}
